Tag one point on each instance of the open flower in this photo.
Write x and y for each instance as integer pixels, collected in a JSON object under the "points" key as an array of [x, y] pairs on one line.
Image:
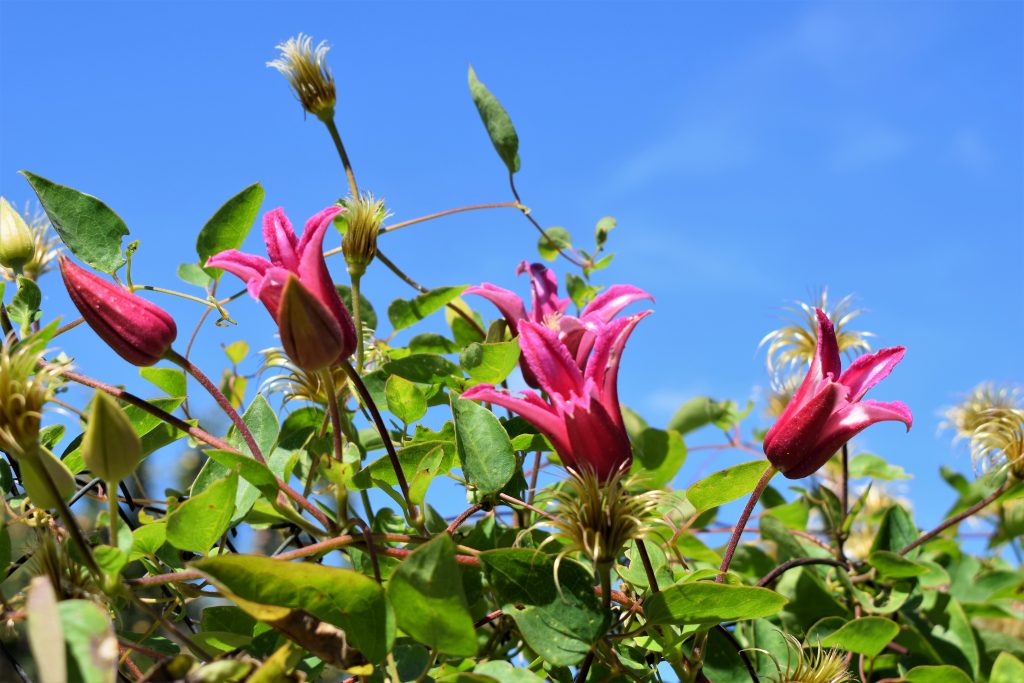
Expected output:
{"points": [[290, 256], [581, 418], [827, 410], [139, 331], [576, 333]]}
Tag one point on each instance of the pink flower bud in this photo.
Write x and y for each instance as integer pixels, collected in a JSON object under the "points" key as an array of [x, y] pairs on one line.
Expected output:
{"points": [[139, 331], [310, 334]]}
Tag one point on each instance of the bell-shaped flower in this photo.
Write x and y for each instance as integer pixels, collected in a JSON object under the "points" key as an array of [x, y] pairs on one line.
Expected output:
{"points": [[827, 409], [290, 255], [139, 331], [581, 416], [577, 333]]}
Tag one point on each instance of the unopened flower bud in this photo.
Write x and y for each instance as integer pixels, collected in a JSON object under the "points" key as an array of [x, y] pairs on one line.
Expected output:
{"points": [[363, 217], [139, 331], [111, 447], [16, 244], [305, 67], [311, 336]]}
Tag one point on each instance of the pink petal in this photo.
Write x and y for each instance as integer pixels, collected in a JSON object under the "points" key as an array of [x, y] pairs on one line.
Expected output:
{"points": [[546, 356], [610, 302], [825, 363], [530, 407], [313, 273], [268, 289], [870, 369], [315, 228], [794, 437], [281, 240], [509, 303], [248, 267], [843, 425], [544, 291], [596, 439], [603, 364]]}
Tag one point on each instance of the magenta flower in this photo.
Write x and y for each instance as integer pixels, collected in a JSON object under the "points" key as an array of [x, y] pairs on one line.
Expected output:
{"points": [[581, 417], [827, 410], [290, 255], [139, 331], [577, 334]]}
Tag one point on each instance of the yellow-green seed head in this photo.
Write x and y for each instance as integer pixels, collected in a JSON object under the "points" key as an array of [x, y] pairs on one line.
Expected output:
{"points": [[305, 67], [820, 666], [24, 392], [991, 420], [362, 221]]}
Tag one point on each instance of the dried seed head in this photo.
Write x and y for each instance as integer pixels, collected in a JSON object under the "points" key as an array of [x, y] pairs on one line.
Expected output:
{"points": [[599, 518], [363, 218], [25, 390], [823, 666], [305, 67], [991, 419], [791, 347]]}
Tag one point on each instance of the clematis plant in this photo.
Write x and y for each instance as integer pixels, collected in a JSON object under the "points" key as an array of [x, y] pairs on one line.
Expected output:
{"points": [[827, 409], [392, 518]]}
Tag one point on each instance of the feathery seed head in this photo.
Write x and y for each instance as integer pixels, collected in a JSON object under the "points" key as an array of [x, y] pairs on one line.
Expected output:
{"points": [[305, 67]]}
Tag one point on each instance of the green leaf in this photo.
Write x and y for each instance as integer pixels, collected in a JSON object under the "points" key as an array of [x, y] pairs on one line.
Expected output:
{"points": [[90, 640], [148, 539], [259, 417], [200, 521], [559, 622], [505, 672], [873, 467], [229, 226], [430, 604], [428, 468], [431, 342], [45, 632], [603, 227], [236, 351], [341, 597], [193, 274], [554, 239], [896, 531], [865, 636], [170, 380], [658, 455], [727, 485], [424, 368], [417, 455], [936, 674], [579, 290], [696, 413], [405, 313], [485, 450], [702, 602], [405, 399], [496, 120], [89, 228], [1007, 669], [24, 306], [893, 566], [490, 363], [111, 448], [36, 487]]}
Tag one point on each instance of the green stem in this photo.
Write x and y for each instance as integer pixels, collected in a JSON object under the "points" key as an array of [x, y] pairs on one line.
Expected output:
{"points": [[340, 146], [77, 537], [357, 318]]}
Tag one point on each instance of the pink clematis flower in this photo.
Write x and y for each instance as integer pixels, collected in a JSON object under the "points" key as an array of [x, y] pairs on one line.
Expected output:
{"points": [[581, 417], [303, 259], [577, 333], [827, 410]]}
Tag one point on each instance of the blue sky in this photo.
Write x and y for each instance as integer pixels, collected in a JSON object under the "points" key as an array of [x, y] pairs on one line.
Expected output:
{"points": [[752, 153]]}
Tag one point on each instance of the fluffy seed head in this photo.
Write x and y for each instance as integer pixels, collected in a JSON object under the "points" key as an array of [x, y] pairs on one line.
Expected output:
{"points": [[363, 218], [991, 419], [822, 666], [305, 67], [24, 392]]}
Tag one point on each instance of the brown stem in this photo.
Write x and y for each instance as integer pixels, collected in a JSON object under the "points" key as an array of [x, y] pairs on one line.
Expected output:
{"points": [[648, 567], [449, 212], [515, 501], [487, 619], [463, 516], [183, 426], [222, 401], [956, 519], [529, 217], [798, 562], [740, 651], [382, 429], [738, 530]]}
